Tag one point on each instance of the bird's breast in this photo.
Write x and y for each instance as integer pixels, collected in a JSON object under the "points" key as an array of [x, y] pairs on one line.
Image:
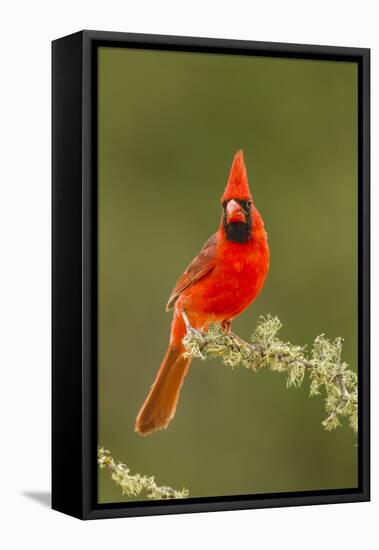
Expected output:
{"points": [[232, 285]]}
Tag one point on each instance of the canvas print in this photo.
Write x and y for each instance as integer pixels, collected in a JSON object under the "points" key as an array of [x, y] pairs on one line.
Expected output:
{"points": [[227, 192]]}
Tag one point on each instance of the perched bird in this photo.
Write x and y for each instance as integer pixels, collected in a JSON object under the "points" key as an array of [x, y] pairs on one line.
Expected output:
{"points": [[220, 283]]}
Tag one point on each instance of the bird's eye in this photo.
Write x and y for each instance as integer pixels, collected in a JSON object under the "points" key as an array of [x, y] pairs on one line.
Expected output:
{"points": [[248, 204]]}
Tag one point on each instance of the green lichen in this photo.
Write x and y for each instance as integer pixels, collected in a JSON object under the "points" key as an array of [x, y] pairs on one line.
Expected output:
{"points": [[327, 374], [133, 485]]}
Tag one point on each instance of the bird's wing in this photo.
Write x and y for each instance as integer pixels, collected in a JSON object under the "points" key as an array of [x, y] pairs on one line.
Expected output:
{"points": [[202, 264]]}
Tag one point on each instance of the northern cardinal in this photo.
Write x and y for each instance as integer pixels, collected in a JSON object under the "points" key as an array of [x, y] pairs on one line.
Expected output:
{"points": [[220, 283]]}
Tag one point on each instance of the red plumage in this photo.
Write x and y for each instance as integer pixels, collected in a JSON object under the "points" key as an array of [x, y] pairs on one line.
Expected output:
{"points": [[220, 283], [238, 185]]}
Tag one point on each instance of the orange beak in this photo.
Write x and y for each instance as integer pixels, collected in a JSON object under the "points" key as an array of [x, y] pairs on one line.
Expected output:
{"points": [[234, 212]]}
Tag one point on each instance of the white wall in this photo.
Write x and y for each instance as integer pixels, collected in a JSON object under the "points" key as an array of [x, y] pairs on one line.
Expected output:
{"points": [[27, 28]]}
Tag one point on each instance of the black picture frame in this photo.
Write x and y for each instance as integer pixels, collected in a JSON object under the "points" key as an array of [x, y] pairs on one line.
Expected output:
{"points": [[74, 273]]}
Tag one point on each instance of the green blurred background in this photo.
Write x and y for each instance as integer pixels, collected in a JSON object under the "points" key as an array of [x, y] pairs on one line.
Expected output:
{"points": [[169, 125]]}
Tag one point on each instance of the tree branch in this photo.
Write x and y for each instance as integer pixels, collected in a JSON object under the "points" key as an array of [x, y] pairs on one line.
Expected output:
{"points": [[323, 364], [134, 485]]}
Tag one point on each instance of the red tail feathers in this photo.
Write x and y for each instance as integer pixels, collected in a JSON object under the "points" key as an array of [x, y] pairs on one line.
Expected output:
{"points": [[160, 404]]}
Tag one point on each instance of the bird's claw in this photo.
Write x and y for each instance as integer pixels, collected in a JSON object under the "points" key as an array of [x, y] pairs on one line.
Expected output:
{"points": [[194, 332], [226, 326]]}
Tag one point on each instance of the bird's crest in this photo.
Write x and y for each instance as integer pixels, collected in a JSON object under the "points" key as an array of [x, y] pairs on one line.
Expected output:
{"points": [[238, 185]]}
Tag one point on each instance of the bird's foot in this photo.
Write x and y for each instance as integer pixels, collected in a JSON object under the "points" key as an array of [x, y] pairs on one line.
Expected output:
{"points": [[190, 329], [225, 326]]}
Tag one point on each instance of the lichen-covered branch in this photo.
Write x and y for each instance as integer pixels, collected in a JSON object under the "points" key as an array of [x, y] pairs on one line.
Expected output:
{"points": [[323, 364], [134, 485]]}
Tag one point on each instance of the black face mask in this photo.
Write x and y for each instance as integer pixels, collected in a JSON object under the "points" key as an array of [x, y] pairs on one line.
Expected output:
{"points": [[238, 232]]}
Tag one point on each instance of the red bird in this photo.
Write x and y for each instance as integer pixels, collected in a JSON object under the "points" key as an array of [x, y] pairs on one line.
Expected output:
{"points": [[220, 283]]}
